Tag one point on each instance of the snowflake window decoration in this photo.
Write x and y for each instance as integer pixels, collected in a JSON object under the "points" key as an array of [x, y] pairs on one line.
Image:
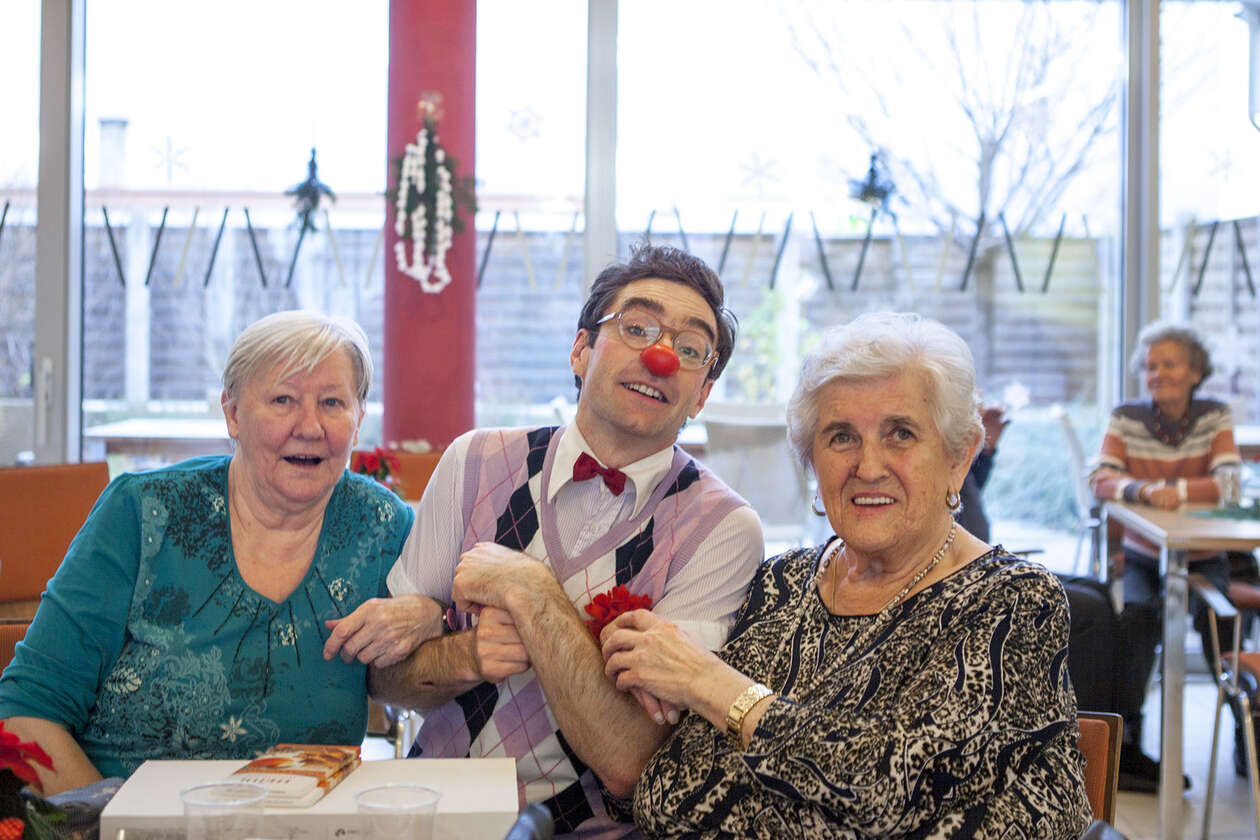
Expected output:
{"points": [[427, 198]]}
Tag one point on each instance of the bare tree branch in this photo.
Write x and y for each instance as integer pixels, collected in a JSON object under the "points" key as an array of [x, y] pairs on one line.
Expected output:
{"points": [[1015, 76]]}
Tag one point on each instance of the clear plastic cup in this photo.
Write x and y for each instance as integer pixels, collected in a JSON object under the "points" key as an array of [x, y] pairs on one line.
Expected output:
{"points": [[1229, 481], [398, 811], [223, 810]]}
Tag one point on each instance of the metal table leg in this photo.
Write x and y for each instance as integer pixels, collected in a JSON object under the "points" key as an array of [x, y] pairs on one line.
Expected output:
{"points": [[1173, 567]]}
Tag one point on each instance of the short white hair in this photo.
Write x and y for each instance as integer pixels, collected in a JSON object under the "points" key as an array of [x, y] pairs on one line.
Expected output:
{"points": [[882, 345], [1196, 347], [296, 341]]}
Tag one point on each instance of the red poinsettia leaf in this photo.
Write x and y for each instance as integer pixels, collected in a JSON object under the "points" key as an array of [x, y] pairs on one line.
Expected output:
{"points": [[391, 461], [38, 755], [16, 756], [12, 745], [371, 463], [356, 462]]}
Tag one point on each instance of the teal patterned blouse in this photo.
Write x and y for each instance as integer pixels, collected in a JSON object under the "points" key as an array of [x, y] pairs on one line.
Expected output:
{"points": [[149, 644]]}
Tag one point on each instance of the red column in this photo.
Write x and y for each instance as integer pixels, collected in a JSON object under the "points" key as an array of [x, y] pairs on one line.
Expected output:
{"points": [[429, 338]]}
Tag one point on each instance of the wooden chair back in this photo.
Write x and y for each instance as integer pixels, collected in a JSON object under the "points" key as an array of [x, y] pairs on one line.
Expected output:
{"points": [[1099, 741], [11, 632], [417, 468], [41, 509]]}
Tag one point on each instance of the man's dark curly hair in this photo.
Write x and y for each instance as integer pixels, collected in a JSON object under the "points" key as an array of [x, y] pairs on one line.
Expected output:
{"points": [[666, 263]]}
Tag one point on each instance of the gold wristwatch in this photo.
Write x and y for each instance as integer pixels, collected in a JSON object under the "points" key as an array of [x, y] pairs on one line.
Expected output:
{"points": [[747, 698]]}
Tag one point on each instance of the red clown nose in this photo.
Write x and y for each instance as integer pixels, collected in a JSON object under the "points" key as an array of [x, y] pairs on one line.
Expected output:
{"points": [[659, 360]]}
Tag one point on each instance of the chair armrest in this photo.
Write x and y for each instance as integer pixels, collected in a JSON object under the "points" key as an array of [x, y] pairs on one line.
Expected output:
{"points": [[1215, 599]]}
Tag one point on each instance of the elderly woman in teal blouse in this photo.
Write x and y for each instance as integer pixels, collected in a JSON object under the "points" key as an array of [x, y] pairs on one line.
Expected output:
{"points": [[192, 615]]}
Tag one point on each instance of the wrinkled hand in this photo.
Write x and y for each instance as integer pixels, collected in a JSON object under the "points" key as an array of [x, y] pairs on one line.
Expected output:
{"points": [[1164, 498], [654, 660], [383, 631], [488, 574], [500, 652], [661, 711], [993, 418]]}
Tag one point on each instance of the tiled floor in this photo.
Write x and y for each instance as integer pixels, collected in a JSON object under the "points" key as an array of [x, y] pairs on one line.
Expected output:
{"points": [[1137, 815]]}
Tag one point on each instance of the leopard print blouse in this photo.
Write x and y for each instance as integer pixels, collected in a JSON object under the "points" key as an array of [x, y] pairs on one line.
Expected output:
{"points": [[951, 718]]}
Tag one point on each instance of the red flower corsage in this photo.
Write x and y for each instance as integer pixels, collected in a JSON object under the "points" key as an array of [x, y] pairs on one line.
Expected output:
{"points": [[606, 606]]}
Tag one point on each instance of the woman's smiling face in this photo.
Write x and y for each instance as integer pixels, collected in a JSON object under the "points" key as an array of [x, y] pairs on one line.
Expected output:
{"points": [[883, 472], [294, 436], [1169, 375]]}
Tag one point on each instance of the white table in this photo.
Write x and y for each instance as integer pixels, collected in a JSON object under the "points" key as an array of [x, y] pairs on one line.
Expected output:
{"points": [[1247, 438], [479, 799], [173, 437], [1177, 534]]}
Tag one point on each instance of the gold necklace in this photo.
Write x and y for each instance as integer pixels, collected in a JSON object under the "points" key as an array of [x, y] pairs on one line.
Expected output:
{"points": [[905, 590], [872, 629]]}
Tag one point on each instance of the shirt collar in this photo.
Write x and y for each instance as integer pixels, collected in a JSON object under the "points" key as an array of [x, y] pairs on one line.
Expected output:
{"points": [[643, 475]]}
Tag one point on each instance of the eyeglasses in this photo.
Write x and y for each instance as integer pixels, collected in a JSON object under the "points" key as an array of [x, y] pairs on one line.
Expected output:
{"points": [[640, 328]]}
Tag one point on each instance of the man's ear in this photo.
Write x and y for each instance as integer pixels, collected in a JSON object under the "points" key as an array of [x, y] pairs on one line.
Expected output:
{"points": [[580, 353], [701, 399]]}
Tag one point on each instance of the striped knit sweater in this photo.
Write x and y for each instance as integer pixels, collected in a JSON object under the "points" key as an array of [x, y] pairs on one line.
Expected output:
{"points": [[1132, 452]]}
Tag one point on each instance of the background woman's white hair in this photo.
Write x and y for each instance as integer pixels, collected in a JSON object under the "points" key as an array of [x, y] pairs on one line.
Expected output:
{"points": [[880, 345], [296, 341], [1187, 336]]}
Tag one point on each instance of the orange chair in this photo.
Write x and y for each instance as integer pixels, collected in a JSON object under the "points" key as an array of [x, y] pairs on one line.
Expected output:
{"points": [[41, 509], [1098, 736], [11, 632], [415, 468]]}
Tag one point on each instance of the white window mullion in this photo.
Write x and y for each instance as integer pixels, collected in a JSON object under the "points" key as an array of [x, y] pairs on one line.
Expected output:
{"points": [[58, 381], [600, 238]]}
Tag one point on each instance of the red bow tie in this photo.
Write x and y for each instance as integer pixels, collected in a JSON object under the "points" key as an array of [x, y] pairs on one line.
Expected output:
{"points": [[587, 467]]}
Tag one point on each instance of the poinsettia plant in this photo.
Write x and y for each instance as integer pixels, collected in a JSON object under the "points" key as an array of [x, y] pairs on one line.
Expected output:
{"points": [[28, 817], [606, 606], [381, 464]]}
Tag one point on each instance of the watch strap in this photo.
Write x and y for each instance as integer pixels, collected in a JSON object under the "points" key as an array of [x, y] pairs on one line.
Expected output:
{"points": [[748, 698]]}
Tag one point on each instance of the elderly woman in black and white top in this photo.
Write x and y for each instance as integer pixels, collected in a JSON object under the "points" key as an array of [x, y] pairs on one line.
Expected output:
{"points": [[903, 679]]}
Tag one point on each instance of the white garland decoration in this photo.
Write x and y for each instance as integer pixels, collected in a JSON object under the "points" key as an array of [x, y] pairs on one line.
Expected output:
{"points": [[424, 266]]}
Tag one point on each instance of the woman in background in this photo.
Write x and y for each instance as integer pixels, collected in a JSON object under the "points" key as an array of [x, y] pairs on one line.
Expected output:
{"points": [[1160, 452]]}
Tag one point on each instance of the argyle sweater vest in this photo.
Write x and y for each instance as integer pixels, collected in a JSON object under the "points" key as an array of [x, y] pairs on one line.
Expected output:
{"points": [[504, 500]]}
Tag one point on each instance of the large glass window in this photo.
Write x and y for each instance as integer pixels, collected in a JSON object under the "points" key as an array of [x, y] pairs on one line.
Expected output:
{"points": [[530, 180], [748, 132], [1209, 207], [199, 118], [19, 165]]}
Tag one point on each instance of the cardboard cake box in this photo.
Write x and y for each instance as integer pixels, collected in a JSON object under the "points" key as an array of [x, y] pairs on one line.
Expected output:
{"points": [[478, 799]]}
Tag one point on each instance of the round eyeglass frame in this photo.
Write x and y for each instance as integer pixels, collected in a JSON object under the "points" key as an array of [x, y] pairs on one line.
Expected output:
{"points": [[642, 342]]}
